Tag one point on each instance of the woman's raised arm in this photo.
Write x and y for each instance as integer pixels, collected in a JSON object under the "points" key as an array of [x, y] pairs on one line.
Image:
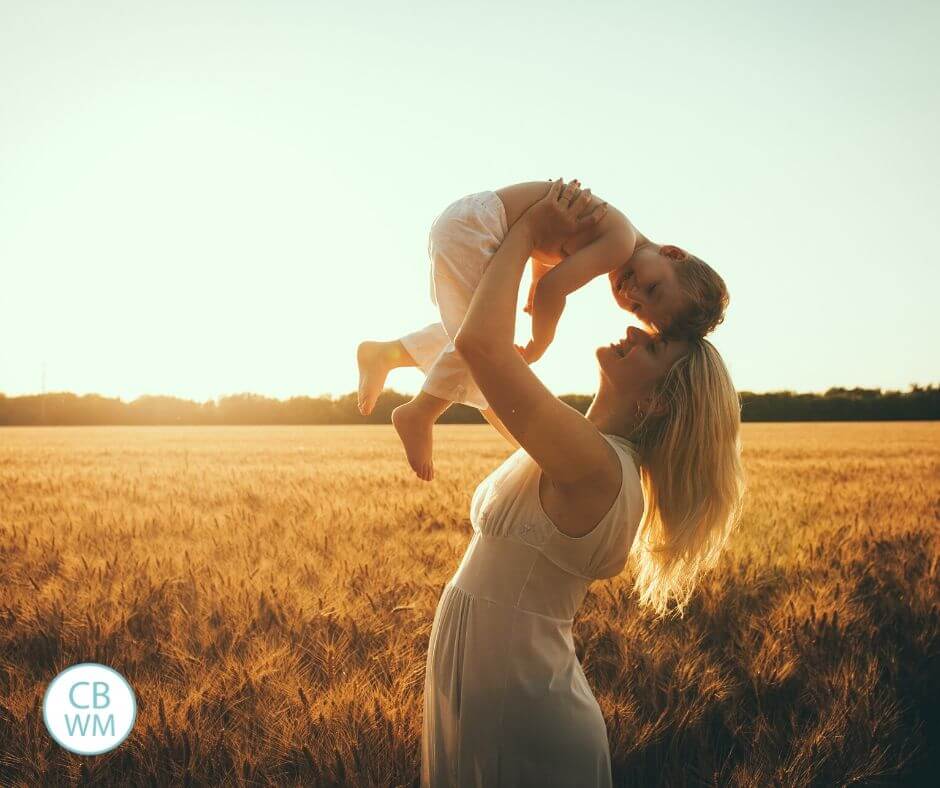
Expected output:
{"points": [[566, 445]]}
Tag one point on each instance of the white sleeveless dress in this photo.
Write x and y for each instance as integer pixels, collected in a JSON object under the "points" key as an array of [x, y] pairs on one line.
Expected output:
{"points": [[506, 702]]}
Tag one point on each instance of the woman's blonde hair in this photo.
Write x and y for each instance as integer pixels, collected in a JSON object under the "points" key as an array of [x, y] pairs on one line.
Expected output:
{"points": [[692, 477]]}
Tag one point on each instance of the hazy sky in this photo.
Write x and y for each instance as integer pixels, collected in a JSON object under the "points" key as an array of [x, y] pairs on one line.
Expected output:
{"points": [[202, 198]]}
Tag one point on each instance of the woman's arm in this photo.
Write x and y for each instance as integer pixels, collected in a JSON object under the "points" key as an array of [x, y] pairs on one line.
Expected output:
{"points": [[566, 445], [493, 419]]}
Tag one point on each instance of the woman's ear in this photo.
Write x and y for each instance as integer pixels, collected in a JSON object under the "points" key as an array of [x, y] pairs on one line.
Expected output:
{"points": [[655, 408]]}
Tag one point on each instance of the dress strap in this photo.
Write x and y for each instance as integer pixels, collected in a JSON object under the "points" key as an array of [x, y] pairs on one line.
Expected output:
{"points": [[619, 440]]}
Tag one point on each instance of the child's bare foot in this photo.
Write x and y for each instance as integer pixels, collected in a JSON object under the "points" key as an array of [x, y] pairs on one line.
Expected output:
{"points": [[373, 369], [415, 430]]}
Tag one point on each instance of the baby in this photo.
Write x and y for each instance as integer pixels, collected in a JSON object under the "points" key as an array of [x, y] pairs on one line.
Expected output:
{"points": [[668, 289]]}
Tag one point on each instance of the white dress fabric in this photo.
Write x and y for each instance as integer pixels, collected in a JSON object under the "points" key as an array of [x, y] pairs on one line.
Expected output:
{"points": [[462, 241], [506, 702]]}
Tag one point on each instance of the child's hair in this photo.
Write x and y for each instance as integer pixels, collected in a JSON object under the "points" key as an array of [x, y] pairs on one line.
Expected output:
{"points": [[692, 477], [706, 299]]}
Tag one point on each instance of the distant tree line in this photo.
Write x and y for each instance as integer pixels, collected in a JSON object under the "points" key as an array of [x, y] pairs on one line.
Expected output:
{"points": [[836, 404]]}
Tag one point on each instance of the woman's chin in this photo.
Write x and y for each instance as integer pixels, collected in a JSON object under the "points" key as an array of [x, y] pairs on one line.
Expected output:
{"points": [[604, 354]]}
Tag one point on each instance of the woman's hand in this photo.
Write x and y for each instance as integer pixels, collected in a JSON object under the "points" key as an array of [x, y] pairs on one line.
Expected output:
{"points": [[558, 214]]}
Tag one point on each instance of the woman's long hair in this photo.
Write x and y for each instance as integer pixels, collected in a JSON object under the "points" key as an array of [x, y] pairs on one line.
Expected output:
{"points": [[692, 476]]}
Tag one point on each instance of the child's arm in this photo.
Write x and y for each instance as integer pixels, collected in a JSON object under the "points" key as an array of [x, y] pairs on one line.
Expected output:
{"points": [[539, 269], [601, 256]]}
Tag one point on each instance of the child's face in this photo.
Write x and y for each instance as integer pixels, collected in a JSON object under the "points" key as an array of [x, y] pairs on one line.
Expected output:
{"points": [[647, 286]]}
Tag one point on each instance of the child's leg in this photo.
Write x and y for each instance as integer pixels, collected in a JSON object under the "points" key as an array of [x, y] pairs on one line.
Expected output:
{"points": [[414, 421], [449, 377], [461, 241], [460, 246], [377, 359]]}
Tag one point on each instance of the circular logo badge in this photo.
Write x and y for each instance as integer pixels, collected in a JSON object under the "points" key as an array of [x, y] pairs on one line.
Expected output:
{"points": [[89, 708]]}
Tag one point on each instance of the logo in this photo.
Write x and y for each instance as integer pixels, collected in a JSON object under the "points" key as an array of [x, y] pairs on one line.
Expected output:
{"points": [[89, 708]]}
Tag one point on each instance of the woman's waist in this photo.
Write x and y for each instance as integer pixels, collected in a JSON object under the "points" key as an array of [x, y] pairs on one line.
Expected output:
{"points": [[516, 574]]}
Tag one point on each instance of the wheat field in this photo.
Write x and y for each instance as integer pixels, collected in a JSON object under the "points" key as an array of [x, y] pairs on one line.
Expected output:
{"points": [[269, 592]]}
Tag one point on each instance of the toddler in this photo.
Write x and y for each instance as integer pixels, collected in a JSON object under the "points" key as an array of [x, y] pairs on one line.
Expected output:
{"points": [[668, 289]]}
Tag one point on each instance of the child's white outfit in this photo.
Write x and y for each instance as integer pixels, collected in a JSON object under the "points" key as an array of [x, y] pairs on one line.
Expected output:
{"points": [[462, 241]]}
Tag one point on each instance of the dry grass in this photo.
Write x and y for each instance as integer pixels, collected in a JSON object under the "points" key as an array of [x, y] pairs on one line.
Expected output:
{"points": [[269, 593]]}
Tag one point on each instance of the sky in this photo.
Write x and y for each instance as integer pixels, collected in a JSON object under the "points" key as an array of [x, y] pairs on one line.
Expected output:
{"points": [[205, 198]]}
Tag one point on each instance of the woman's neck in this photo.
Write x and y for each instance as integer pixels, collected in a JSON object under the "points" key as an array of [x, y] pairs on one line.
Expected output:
{"points": [[611, 415]]}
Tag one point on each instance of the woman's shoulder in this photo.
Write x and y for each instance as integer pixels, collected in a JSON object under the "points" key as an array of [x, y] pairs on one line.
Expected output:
{"points": [[622, 477], [625, 449], [602, 550], [581, 508]]}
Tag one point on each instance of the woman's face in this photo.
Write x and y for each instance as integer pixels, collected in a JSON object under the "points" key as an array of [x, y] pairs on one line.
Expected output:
{"points": [[639, 361]]}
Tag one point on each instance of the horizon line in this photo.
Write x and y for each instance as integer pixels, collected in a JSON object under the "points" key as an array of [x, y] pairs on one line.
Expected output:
{"points": [[911, 387]]}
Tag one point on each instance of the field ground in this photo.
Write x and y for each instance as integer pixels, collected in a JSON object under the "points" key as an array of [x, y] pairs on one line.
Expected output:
{"points": [[269, 592]]}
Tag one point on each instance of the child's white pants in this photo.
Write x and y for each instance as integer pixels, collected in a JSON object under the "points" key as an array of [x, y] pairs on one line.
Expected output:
{"points": [[462, 240]]}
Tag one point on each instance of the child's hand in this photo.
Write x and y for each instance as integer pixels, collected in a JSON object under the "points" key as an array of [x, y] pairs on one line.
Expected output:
{"points": [[532, 352]]}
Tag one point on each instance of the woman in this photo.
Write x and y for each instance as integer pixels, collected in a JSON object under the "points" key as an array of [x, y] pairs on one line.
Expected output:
{"points": [[506, 700]]}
